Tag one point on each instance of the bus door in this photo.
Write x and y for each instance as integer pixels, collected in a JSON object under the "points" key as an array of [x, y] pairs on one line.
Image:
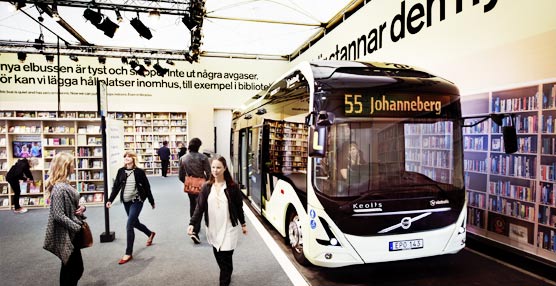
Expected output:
{"points": [[243, 164]]}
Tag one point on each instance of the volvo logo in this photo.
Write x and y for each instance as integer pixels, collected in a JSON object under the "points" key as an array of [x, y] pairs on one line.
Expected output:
{"points": [[439, 202], [406, 222]]}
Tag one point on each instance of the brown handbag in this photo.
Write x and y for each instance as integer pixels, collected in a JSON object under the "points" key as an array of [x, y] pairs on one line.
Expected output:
{"points": [[85, 236], [192, 185]]}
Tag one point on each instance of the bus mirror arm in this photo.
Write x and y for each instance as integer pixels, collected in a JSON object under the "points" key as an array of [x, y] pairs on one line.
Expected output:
{"points": [[325, 118], [509, 133]]}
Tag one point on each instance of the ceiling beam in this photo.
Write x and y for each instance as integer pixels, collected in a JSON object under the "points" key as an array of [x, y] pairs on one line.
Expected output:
{"points": [[62, 23]]}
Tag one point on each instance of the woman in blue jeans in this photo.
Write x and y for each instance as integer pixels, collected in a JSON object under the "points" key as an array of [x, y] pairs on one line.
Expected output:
{"points": [[134, 188]]}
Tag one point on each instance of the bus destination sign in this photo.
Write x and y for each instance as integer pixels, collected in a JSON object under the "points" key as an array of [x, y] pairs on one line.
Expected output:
{"points": [[366, 105]]}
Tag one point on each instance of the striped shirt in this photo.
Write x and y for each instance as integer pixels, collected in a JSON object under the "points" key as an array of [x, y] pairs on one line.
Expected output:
{"points": [[130, 191]]}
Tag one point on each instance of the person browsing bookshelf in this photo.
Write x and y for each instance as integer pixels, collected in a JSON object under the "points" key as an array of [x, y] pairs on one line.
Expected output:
{"points": [[164, 154], [21, 170]]}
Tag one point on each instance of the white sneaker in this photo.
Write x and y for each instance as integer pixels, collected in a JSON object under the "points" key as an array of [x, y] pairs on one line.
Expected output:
{"points": [[21, 211]]}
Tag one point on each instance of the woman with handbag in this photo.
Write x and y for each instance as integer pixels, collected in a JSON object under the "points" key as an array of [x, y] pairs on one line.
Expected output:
{"points": [[65, 219], [194, 165], [134, 188], [221, 202]]}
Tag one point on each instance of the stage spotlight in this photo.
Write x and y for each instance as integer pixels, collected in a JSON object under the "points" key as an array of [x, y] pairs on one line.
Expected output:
{"points": [[102, 60], [160, 70], [124, 60], [143, 30], [140, 70], [49, 58], [20, 4], [188, 57], [186, 20], [94, 17], [170, 62], [21, 56], [102, 22], [147, 62], [74, 58]]}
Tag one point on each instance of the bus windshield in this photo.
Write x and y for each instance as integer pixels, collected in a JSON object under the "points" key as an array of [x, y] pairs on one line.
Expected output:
{"points": [[390, 157]]}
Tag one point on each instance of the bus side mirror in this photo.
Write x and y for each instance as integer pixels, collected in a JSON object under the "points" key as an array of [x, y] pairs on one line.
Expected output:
{"points": [[317, 141], [510, 139]]}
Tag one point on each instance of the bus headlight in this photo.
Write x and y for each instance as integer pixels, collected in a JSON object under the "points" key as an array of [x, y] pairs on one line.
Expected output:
{"points": [[333, 241]]}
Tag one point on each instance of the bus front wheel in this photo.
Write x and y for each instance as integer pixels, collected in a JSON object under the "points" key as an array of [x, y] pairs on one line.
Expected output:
{"points": [[295, 238]]}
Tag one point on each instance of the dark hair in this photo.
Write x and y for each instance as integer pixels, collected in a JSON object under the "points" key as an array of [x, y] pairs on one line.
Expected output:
{"points": [[227, 175], [194, 144], [164, 142]]}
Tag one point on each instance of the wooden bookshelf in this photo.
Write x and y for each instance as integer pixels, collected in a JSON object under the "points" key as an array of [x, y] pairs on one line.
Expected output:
{"points": [[287, 147], [511, 197], [79, 133]]}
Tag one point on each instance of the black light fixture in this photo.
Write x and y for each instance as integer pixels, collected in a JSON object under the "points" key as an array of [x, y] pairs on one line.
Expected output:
{"points": [[188, 57], [39, 42], [147, 62], [160, 70], [261, 111], [100, 21], [102, 60], [124, 60], [49, 58], [186, 20], [154, 14], [20, 4], [248, 116], [170, 62], [21, 56], [73, 58], [139, 69], [143, 30]]}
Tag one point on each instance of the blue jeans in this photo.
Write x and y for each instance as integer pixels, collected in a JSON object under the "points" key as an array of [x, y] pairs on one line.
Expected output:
{"points": [[133, 209]]}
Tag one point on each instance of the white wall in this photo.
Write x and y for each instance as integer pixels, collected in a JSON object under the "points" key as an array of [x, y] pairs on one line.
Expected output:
{"points": [[512, 43]]}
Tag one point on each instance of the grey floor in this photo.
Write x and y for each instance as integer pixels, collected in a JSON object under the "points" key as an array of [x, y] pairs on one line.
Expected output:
{"points": [[173, 259]]}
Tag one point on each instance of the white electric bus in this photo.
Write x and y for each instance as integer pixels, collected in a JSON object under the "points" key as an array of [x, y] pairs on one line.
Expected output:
{"points": [[355, 162]]}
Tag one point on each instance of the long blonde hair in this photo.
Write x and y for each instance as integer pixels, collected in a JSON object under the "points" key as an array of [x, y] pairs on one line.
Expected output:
{"points": [[60, 168]]}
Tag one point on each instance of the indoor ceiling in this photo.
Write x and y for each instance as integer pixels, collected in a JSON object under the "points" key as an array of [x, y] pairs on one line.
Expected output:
{"points": [[269, 29]]}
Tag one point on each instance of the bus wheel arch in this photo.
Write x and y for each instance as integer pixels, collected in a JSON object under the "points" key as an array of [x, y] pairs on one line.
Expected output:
{"points": [[294, 236]]}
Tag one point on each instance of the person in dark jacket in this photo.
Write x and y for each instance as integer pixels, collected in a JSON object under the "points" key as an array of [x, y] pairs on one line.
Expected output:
{"points": [[221, 203], [196, 165], [21, 170], [134, 188], [164, 154], [182, 151]]}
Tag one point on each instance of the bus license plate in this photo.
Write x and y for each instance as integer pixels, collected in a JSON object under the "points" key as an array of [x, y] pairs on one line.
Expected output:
{"points": [[406, 244]]}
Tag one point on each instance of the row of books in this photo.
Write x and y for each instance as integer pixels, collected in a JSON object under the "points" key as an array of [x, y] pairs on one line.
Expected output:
{"points": [[509, 190], [24, 129], [59, 129], [548, 172], [548, 124], [512, 208], [515, 104], [474, 165], [522, 123], [512, 165], [89, 187], [89, 151], [476, 199], [549, 99], [547, 240], [475, 217], [92, 198], [480, 129], [547, 216], [548, 194], [548, 146], [61, 141], [475, 143], [89, 163]]}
